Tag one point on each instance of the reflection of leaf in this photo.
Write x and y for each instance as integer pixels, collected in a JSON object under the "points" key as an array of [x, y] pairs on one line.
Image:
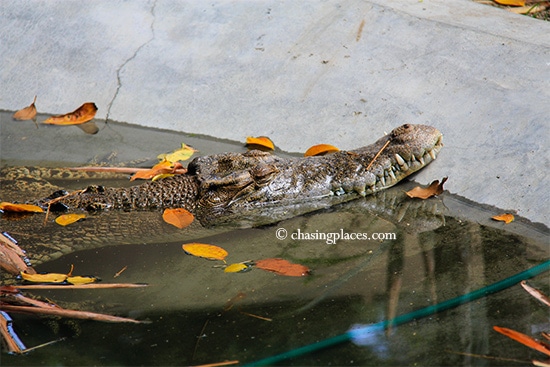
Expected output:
{"points": [[261, 141], [178, 217], [282, 267], [524, 339], [27, 113], [84, 113], [237, 268], [434, 189], [181, 154], [506, 218], [320, 150], [9, 207], [209, 252], [66, 219]]}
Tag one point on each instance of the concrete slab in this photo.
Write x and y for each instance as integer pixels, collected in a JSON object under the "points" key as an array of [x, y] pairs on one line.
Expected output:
{"points": [[303, 73]]}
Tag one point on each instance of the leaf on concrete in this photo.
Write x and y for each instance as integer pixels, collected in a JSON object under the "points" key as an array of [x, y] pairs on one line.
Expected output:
{"points": [[84, 113], [209, 252], [178, 217], [320, 149], [434, 189], [283, 267], [66, 219], [20, 208], [506, 218], [259, 142], [511, 2], [181, 154], [27, 113]]}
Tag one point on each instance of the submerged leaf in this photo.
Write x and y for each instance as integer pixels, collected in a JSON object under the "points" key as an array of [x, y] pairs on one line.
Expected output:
{"points": [[84, 113], [506, 218], [524, 339], [283, 267], [66, 219], [178, 217], [320, 149], [10, 207], [209, 252], [237, 268], [261, 141], [27, 113], [181, 154], [434, 189]]}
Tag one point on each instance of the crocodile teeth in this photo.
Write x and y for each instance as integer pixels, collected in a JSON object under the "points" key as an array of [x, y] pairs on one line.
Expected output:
{"points": [[421, 160], [431, 153], [392, 175], [383, 181], [399, 159]]}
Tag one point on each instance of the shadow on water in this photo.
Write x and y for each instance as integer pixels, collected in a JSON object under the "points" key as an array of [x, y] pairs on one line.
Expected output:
{"points": [[436, 250]]}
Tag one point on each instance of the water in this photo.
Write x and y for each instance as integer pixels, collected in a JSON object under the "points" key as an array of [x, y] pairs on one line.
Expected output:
{"points": [[443, 248]]}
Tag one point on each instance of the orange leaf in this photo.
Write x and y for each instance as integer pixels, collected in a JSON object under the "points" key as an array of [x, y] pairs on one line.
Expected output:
{"points": [[9, 207], [261, 141], [27, 113], [66, 219], [434, 189], [283, 267], [506, 218], [84, 113], [511, 2], [209, 252], [320, 150], [524, 339], [158, 169], [178, 217]]}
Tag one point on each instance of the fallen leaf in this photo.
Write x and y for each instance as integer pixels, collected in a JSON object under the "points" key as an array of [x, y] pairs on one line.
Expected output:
{"points": [[237, 268], [524, 339], [536, 293], [161, 176], [181, 154], [283, 267], [434, 189], [506, 218], [261, 141], [84, 113], [178, 217], [511, 2], [44, 278], [530, 9], [161, 168], [82, 280], [10, 207], [66, 219], [27, 113], [320, 149], [209, 252]]}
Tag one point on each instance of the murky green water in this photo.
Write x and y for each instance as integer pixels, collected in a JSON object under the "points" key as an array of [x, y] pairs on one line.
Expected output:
{"points": [[443, 248]]}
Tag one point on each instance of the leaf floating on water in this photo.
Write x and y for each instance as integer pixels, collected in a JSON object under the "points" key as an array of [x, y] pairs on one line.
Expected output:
{"points": [[27, 113], [320, 149], [261, 141], [283, 267], [44, 278], [524, 339], [506, 218], [181, 154], [237, 268], [159, 170], [434, 189], [84, 113], [82, 280], [66, 219], [511, 2], [536, 293], [209, 252], [20, 208], [178, 217]]}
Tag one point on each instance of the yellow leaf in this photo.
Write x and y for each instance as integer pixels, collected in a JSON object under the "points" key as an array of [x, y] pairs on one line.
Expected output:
{"points": [[237, 268], [27, 113], [161, 168], [261, 141], [82, 279], [66, 219], [10, 207], [178, 217], [320, 150], [181, 154], [44, 278], [511, 2], [506, 218], [209, 252], [84, 113], [434, 189], [161, 176]]}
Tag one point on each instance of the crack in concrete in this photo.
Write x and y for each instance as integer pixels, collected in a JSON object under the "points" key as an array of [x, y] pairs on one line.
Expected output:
{"points": [[123, 65]]}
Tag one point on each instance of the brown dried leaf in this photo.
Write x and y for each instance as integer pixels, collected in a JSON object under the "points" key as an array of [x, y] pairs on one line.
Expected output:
{"points": [[434, 189], [283, 267], [84, 113], [506, 218], [524, 339], [27, 113], [178, 217]]}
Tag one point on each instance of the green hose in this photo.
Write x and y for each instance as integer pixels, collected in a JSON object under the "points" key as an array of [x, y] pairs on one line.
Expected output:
{"points": [[362, 331]]}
